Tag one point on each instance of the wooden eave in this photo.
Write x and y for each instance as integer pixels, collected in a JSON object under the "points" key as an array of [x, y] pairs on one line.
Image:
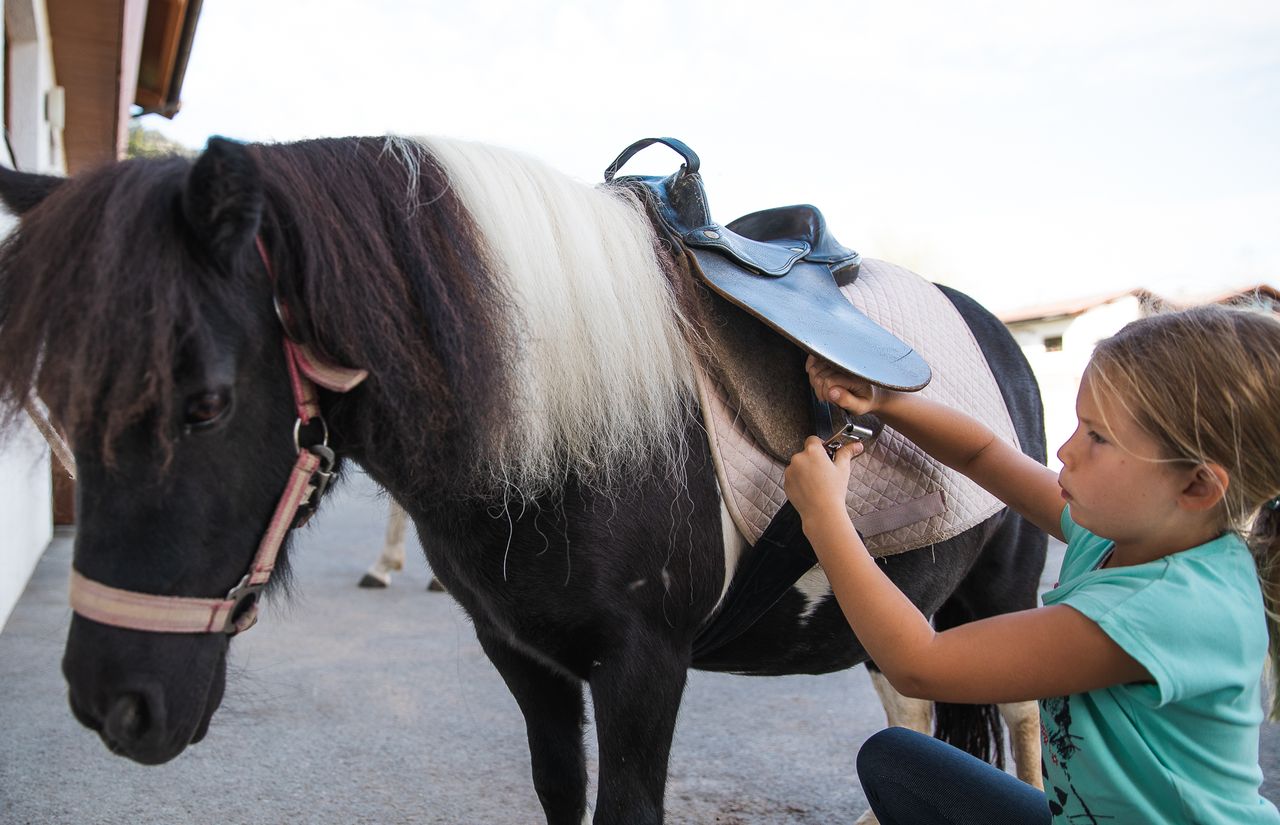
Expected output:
{"points": [[166, 47], [109, 54]]}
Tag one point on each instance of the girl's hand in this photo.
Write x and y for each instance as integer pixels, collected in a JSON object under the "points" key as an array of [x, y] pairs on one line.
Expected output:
{"points": [[815, 484], [830, 383]]}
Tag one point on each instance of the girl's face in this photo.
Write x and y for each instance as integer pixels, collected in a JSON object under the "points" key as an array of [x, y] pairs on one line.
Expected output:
{"points": [[1111, 473]]}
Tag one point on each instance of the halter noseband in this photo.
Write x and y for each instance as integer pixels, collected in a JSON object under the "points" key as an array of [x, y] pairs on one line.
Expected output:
{"points": [[311, 475]]}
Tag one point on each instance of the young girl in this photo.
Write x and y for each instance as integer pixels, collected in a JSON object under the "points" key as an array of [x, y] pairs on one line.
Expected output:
{"points": [[1148, 655]]}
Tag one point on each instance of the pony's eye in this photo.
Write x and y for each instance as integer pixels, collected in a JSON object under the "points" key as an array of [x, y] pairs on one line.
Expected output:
{"points": [[204, 408]]}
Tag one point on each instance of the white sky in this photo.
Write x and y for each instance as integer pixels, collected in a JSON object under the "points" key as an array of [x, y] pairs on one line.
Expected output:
{"points": [[1020, 151]]}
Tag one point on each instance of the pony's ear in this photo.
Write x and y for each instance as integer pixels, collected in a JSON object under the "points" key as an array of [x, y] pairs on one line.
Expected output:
{"points": [[22, 191], [223, 199]]}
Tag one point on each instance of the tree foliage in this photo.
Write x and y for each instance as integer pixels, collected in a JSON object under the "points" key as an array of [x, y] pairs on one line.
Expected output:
{"points": [[148, 143]]}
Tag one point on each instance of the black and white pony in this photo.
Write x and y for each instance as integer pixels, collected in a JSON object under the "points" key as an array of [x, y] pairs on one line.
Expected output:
{"points": [[530, 403]]}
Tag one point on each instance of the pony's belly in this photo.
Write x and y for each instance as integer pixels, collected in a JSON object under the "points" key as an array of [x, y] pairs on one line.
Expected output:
{"points": [[794, 637]]}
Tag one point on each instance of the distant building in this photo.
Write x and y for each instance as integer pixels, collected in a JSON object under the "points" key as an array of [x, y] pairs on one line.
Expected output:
{"points": [[1059, 337], [75, 71]]}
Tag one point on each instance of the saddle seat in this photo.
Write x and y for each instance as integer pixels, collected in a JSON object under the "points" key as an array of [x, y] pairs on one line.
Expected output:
{"points": [[795, 227], [782, 266]]}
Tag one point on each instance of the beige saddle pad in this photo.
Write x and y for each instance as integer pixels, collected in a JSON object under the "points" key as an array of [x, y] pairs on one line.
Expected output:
{"points": [[899, 498]]}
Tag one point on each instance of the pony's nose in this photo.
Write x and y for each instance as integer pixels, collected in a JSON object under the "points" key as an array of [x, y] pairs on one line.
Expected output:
{"points": [[128, 719]]}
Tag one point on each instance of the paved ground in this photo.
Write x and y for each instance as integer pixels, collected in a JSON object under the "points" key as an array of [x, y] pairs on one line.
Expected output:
{"points": [[358, 706]]}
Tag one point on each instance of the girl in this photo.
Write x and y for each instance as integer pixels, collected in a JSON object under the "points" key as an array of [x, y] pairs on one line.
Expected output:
{"points": [[1148, 655]]}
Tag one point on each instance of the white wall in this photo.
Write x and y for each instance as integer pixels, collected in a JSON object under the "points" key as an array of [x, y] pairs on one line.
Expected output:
{"points": [[1059, 372], [26, 513]]}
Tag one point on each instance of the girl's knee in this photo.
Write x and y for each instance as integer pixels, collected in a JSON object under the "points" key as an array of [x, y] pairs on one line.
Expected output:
{"points": [[888, 750]]}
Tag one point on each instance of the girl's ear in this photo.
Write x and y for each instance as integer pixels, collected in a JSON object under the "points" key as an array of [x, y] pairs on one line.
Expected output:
{"points": [[1206, 488]]}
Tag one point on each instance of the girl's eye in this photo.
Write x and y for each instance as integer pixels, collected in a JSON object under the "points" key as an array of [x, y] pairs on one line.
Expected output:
{"points": [[204, 408], [1095, 438]]}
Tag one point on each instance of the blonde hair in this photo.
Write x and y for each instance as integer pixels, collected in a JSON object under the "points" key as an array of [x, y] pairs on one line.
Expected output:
{"points": [[1205, 383]]}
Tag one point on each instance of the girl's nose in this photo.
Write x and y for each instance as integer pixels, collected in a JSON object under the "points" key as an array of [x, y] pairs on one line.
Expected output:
{"points": [[1065, 450]]}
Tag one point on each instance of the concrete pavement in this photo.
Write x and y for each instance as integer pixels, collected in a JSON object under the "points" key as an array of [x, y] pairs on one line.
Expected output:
{"points": [[366, 706]]}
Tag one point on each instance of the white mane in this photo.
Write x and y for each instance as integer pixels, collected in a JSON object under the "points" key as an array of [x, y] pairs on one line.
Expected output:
{"points": [[602, 369]]}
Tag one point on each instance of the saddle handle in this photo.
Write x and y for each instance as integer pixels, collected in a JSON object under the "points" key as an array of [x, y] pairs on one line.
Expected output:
{"points": [[691, 161]]}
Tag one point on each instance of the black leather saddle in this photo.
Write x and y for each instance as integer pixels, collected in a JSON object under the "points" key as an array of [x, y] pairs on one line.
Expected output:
{"points": [[782, 266]]}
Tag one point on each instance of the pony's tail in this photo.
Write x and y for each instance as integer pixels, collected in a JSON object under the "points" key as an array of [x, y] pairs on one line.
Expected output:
{"points": [[974, 729]]}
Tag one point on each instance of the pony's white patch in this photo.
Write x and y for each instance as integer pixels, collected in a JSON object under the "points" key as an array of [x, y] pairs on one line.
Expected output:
{"points": [[734, 546], [602, 371], [813, 585], [816, 589]]}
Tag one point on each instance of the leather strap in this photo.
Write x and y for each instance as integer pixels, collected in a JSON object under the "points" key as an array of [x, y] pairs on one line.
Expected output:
{"points": [[765, 572], [691, 161], [312, 472], [185, 614]]}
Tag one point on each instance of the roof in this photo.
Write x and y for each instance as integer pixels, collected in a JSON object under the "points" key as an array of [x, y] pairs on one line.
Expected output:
{"points": [[1069, 308], [166, 47], [110, 54]]}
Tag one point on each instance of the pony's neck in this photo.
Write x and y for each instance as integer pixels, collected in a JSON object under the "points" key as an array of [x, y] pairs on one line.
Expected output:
{"points": [[518, 326]]}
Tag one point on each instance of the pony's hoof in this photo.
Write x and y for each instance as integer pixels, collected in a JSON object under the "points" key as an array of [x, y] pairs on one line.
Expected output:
{"points": [[435, 586], [371, 580]]}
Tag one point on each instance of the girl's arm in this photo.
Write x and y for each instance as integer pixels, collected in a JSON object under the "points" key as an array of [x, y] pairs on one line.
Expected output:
{"points": [[953, 438], [1051, 651]]}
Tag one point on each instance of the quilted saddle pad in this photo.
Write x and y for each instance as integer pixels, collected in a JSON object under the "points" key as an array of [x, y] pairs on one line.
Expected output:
{"points": [[899, 498]]}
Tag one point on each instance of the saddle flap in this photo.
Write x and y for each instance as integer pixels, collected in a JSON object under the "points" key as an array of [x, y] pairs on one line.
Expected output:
{"points": [[809, 310]]}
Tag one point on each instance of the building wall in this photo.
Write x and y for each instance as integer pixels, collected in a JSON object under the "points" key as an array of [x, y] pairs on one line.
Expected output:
{"points": [[1059, 372], [26, 522]]}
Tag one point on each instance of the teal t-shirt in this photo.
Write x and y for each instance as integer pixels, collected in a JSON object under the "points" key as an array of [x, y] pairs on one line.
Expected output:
{"points": [[1181, 749]]}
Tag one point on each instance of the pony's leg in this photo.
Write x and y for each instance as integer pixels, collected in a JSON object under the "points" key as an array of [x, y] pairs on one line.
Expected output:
{"points": [[1023, 721], [899, 711], [392, 556], [553, 718], [636, 696]]}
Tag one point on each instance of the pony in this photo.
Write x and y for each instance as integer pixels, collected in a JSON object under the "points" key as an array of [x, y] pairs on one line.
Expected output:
{"points": [[530, 348]]}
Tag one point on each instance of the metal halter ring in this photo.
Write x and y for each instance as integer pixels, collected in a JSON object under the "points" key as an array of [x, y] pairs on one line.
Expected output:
{"points": [[297, 430]]}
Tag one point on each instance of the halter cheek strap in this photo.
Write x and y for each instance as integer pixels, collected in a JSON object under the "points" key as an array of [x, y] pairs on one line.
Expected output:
{"points": [[311, 475]]}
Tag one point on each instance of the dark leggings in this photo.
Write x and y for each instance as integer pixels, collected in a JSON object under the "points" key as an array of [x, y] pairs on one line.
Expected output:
{"points": [[913, 779]]}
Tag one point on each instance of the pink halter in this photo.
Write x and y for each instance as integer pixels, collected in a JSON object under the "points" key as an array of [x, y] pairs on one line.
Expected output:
{"points": [[311, 474]]}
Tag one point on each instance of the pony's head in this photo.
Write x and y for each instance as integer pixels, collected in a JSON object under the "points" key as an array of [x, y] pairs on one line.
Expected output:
{"points": [[132, 302]]}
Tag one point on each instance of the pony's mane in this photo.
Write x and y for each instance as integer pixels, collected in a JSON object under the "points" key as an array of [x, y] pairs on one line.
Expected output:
{"points": [[495, 302], [601, 364]]}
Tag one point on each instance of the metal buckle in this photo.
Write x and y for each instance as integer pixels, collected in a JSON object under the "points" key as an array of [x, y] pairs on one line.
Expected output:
{"points": [[847, 434], [320, 481], [242, 592]]}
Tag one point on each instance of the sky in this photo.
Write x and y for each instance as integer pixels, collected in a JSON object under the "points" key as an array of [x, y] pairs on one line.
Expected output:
{"points": [[1019, 151]]}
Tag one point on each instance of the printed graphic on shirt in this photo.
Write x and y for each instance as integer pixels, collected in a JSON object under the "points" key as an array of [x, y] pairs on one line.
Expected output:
{"points": [[1058, 747]]}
